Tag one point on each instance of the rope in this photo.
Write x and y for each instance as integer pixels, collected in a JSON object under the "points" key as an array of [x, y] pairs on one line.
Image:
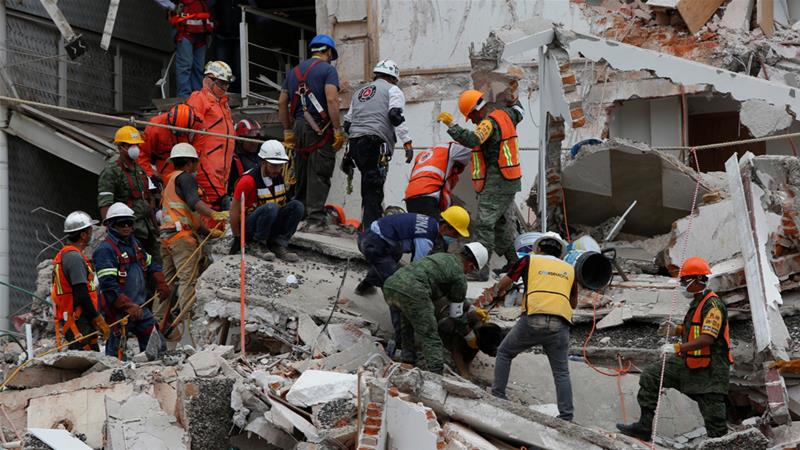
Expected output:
{"points": [[675, 297]]}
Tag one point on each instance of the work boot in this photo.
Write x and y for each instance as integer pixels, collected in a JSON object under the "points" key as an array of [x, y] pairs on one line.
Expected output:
{"points": [[284, 254], [364, 289], [260, 250], [636, 430], [482, 275]]}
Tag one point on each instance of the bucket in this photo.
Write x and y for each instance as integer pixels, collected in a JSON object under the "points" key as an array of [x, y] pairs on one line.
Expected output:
{"points": [[592, 269]]}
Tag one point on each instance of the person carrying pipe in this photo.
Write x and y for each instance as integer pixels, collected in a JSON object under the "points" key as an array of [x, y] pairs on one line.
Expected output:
{"points": [[413, 290], [464, 336], [699, 365], [550, 296]]}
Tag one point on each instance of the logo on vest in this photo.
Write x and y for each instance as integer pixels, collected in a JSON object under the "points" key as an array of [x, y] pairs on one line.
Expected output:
{"points": [[425, 156], [367, 93], [548, 273]]}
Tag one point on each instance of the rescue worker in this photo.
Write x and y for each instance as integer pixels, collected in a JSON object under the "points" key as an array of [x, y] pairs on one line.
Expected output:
{"points": [[122, 265], [433, 178], [413, 290], [550, 296], [216, 153], [245, 156], [193, 23], [699, 365], [74, 291], [374, 118], [125, 181], [158, 142], [270, 220], [308, 108], [181, 210], [465, 335], [496, 170]]}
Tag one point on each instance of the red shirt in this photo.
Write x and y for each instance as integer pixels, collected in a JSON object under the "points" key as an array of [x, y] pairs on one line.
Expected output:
{"points": [[247, 185]]}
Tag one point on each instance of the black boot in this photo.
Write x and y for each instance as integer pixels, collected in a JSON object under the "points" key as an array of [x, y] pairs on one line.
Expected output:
{"points": [[643, 429], [364, 288]]}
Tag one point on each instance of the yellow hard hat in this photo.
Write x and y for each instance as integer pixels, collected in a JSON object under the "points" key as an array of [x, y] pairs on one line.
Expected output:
{"points": [[469, 101], [458, 218], [128, 135]]}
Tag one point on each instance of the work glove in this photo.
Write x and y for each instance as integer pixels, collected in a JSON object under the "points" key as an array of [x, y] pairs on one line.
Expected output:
{"points": [[220, 216], [670, 349], [100, 325], [216, 233], [161, 286], [409, 148], [289, 140], [667, 329], [446, 118], [126, 305], [472, 340], [339, 137], [482, 314]]}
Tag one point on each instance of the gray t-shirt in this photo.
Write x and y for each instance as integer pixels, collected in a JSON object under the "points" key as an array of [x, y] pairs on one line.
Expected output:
{"points": [[74, 268]]}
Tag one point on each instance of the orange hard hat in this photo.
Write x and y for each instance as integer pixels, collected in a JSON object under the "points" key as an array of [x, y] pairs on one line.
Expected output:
{"points": [[695, 266], [469, 101], [181, 116]]}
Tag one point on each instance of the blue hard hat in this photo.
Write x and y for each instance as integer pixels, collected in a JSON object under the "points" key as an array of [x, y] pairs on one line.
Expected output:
{"points": [[324, 39]]}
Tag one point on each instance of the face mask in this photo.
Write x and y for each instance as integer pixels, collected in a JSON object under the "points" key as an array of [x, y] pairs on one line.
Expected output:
{"points": [[133, 152], [686, 294], [448, 240]]}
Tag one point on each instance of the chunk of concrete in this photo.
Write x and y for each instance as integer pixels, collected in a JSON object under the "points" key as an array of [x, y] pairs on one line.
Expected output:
{"points": [[333, 414], [139, 422], [710, 235], [203, 408], [469, 440], [335, 246], [317, 386], [460, 388], [764, 119], [348, 360], [270, 433], [344, 336], [750, 439], [410, 425], [58, 439], [206, 364], [288, 421], [616, 317]]}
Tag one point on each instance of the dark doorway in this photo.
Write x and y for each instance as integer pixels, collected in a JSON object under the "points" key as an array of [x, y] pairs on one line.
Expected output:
{"points": [[712, 128]]}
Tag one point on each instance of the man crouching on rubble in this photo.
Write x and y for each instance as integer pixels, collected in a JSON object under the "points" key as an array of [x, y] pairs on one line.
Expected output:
{"points": [[413, 290], [121, 266], [698, 366]]}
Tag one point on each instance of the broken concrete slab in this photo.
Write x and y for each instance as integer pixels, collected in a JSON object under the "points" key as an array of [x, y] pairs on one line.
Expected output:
{"points": [[344, 336], [616, 317], [318, 386], [750, 438], [466, 439], [206, 364], [335, 246], [410, 425], [348, 360], [139, 422], [203, 409], [737, 15], [288, 421], [764, 119], [58, 439], [710, 236], [333, 414]]}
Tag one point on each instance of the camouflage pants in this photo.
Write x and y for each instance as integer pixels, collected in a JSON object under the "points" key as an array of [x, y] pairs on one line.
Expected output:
{"points": [[712, 406], [493, 228], [419, 326]]}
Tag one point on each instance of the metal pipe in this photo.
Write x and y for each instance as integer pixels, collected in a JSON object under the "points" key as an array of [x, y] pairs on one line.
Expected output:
{"points": [[5, 210], [542, 144]]}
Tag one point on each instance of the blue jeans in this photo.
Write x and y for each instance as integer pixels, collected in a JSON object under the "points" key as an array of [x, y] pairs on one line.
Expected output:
{"points": [[552, 333], [189, 64], [272, 224]]}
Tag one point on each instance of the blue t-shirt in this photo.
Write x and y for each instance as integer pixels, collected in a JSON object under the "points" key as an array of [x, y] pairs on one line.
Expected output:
{"points": [[322, 74]]}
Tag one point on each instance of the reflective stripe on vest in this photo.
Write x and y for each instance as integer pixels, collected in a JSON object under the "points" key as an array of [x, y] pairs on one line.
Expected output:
{"points": [[65, 312], [549, 287], [175, 210], [507, 155], [194, 18], [266, 195], [429, 172], [702, 357]]}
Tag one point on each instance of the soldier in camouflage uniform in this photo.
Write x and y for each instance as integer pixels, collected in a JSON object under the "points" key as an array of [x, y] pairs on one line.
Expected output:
{"points": [[496, 174], [125, 181], [699, 365], [414, 288]]}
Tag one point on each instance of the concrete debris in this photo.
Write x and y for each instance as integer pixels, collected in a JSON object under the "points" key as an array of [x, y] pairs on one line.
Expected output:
{"points": [[203, 409], [764, 119], [139, 422], [317, 386], [749, 439], [410, 425]]}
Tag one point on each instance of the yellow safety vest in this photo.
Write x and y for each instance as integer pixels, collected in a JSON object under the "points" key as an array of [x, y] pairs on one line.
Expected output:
{"points": [[549, 286]]}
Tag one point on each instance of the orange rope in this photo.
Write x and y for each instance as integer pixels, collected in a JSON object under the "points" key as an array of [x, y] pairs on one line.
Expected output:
{"points": [[241, 275]]}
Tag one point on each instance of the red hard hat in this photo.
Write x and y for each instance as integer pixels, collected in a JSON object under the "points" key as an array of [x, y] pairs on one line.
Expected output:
{"points": [[247, 127], [695, 266]]}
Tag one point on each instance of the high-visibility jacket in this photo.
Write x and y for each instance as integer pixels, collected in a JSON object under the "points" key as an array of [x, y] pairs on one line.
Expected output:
{"points": [[158, 142], [433, 173], [549, 286], [66, 312], [508, 156], [177, 216], [265, 194], [702, 357], [195, 18], [216, 153]]}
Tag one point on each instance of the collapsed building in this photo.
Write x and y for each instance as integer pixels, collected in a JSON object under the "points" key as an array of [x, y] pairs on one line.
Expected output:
{"points": [[647, 83]]}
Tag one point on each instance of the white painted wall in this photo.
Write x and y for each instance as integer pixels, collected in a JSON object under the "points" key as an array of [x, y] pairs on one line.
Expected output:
{"points": [[655, 122]]}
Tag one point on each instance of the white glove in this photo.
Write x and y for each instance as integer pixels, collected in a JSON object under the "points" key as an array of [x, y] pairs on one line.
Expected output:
{"points": [[668, 349], [456, 309]]}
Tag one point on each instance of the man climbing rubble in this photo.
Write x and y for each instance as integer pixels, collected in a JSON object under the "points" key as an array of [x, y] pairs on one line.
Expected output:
{"points": [[308, 108], [433, 178], [699, 365], [270, 220], [74, 292], [374, 123], [158, 142], [496, 173], [216, 153], [550, 296], [413, 290], [181, 211], [121, 265], [125, 181]]}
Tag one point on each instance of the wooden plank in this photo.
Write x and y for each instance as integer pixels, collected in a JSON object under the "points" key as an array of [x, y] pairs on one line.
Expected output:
{"points": [[765, 17], [697, 12]]}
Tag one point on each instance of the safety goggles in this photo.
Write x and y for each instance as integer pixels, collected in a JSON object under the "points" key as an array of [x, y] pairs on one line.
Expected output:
{"points": [[124, 223]]}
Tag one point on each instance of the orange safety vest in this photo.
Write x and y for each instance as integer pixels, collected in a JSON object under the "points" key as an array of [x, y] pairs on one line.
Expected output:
{"points": [[507, 157], [176, 214], [702, 357], [429, 175], [65, 313]]}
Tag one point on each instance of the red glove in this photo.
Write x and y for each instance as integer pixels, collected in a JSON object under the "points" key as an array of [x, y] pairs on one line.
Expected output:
{"points": [[161, 286], [126, 305]]}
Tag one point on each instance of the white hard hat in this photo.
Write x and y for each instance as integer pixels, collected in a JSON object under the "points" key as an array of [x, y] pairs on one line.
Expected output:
{"points": [[183, 150], [78, 220], [273, 152], [219, 70], [479, 252], [552, 236], [387, 67], [117, 211]]}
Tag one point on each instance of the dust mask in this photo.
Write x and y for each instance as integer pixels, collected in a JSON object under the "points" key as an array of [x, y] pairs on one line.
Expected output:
{"points": [[448, 240], [133, 152]]}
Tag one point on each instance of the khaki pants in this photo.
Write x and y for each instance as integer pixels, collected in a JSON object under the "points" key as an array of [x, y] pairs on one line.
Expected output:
{"points": [[178, 257]]}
